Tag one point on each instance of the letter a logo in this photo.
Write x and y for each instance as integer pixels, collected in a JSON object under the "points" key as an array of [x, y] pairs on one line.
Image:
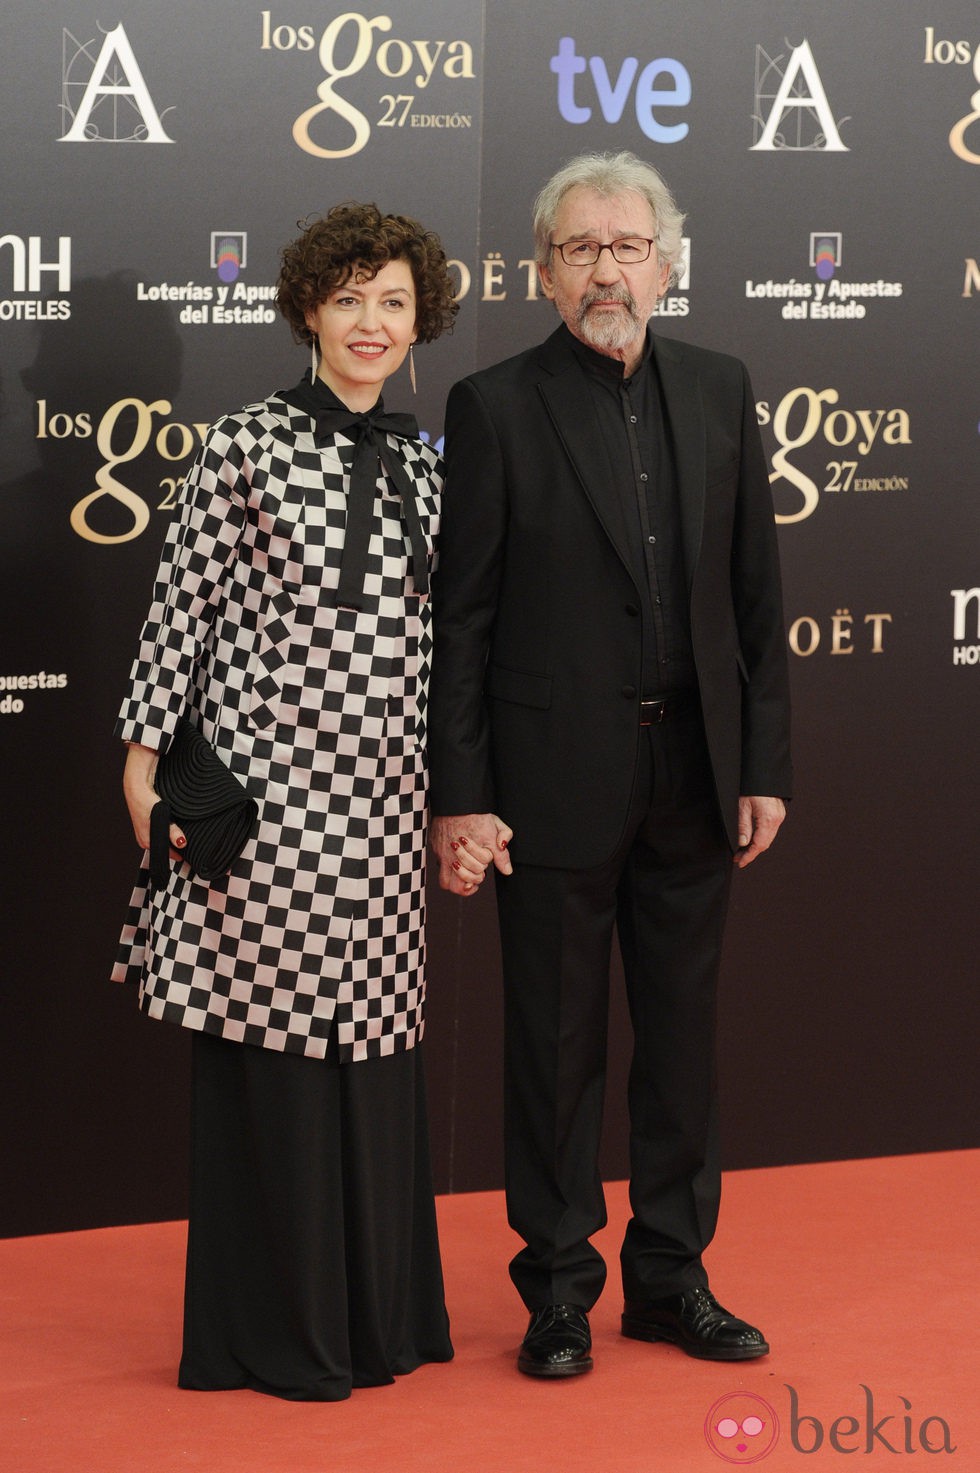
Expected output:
{"points": [[800, 99], [115, 105]]}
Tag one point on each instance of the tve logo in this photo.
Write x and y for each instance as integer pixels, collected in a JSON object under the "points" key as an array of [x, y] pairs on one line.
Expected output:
{"points": [[663, 83]]}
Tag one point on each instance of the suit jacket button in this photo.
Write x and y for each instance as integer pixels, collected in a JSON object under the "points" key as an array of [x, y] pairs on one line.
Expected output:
{"points": [[629, 691]]}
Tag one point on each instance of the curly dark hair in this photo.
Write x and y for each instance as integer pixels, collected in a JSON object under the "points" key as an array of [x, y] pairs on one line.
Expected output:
{"points": [[353, 237]]}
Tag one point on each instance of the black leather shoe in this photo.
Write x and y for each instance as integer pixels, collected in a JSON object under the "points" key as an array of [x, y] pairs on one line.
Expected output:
{"points": [[697, 1323], [557, 1342]]}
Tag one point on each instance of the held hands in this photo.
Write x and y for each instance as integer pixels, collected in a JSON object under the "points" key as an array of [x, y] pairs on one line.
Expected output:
{"points": [[758, 823], [140, 797], [466, 846]]}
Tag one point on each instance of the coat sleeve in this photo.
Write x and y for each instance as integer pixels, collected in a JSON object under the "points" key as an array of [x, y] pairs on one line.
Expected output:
{"points": [[757, 595], [200, 546], [465, 591]]}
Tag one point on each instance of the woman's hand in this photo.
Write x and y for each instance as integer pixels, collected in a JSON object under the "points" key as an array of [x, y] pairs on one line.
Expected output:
{"points": [[140, 797], [466, 846]]}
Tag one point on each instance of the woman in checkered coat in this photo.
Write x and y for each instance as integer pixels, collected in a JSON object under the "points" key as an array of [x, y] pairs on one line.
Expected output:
{"points": [[290, 622]]}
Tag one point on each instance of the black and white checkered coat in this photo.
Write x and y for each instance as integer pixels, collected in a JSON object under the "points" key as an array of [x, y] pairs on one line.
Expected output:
{"points": [[321, 712]]}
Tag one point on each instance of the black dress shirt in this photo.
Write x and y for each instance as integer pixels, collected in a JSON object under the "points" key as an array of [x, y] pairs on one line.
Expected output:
{"points": [[633, 424]]}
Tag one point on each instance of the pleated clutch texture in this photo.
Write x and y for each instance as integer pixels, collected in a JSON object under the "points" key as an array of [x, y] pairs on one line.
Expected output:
{"points": [[208, 802]]}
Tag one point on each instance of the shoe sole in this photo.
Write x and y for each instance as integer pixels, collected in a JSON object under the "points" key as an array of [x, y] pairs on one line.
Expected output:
{"points": [[552, 1373], [634, 1331]]}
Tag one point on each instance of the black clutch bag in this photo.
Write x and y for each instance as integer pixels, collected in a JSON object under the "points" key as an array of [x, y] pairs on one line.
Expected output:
{"points": [[207, 801]]}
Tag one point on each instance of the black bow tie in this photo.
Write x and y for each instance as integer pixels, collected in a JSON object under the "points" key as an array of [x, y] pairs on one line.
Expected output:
{"points": [[370, 446]]}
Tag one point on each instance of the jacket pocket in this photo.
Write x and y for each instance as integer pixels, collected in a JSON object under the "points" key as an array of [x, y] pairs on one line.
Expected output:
{"points": [[522, 687], [721, 468]]}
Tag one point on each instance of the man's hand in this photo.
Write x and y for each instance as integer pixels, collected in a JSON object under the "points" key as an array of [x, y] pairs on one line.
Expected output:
{"points": [[758, 824], [466, 845]]}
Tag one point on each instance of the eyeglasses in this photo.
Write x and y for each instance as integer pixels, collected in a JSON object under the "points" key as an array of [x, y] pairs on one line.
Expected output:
{"points": [[629, 250]]}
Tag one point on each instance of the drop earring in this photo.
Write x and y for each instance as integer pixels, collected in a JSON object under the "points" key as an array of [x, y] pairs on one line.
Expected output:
{"points": [[411, 369], [315, 362]]}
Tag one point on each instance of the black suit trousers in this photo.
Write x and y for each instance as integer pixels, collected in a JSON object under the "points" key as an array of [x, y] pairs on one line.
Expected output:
{"points": [[666, 891]]}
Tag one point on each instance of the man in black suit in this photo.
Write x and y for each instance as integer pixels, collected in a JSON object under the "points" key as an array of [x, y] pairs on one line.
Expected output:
{"points": [[610, 678]]}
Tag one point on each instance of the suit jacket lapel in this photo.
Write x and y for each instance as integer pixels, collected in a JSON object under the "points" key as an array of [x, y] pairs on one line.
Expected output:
{"points": [[568, 402]]}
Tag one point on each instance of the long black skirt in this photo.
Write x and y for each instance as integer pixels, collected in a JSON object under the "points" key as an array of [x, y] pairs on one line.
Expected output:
{"points": [[312, 1254]]}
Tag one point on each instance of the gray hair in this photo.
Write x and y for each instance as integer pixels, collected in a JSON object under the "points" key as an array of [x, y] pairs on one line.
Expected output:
{"points": [[611, 174]]}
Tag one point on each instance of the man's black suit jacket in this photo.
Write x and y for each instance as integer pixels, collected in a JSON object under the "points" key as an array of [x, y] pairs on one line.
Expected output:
{"points": [[536, 665]]}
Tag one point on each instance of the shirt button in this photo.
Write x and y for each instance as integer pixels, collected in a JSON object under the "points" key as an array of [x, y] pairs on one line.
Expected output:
{"points": [[632, 419], [651, 540], [644, 476], [629, 691]]}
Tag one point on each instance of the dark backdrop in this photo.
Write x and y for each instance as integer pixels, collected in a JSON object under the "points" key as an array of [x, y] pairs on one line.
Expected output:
{"points": [[827, 151]]}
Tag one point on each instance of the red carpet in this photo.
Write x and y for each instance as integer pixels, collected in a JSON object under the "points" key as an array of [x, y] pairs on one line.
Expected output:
{"points": [[862, 1273]]}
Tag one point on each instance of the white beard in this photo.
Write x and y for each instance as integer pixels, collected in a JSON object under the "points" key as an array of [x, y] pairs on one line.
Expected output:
{"points": [[607, 332]]}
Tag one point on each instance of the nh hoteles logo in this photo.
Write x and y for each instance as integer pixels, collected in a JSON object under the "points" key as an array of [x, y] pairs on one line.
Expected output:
{"points": [[966, 601]]}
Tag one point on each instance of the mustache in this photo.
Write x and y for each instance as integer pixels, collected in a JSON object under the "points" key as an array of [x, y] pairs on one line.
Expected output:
{"points": [[617, 294]]}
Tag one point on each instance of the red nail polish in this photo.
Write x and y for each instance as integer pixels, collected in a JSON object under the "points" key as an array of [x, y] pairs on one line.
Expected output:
{"points": [[455, 864], [462, 839], [453, 845], [180, 842]]}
